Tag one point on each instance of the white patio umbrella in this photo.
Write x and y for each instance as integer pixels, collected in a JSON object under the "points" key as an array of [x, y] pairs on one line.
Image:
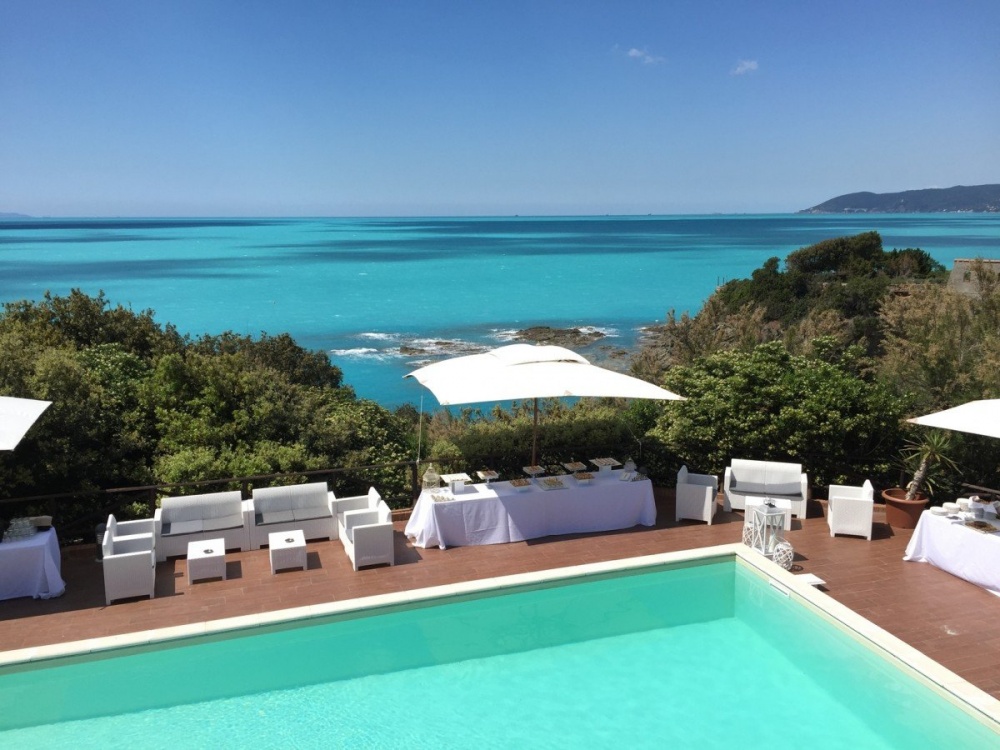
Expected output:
{"points": [[523, 371], [975, 417], [16, 417]]}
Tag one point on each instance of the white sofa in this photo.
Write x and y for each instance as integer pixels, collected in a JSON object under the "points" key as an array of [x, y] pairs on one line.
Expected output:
{"points": [[785, 484], [129, 564], [367, 535], [850, 509], [193, 518], [307, 507], [696, 496]]}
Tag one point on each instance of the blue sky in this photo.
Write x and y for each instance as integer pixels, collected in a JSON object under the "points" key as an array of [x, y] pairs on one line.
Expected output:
{"points": [[247, 108]]}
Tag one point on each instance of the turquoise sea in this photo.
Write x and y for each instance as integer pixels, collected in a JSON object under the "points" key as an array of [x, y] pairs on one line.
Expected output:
{"points": [[383, 296]]}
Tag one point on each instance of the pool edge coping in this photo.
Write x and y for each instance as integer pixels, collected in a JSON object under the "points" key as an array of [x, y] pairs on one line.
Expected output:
{"points": [[960, 692]]}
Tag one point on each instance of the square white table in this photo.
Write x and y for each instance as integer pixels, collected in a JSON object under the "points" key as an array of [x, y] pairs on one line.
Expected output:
{"points": [[948, 544], [206, 559], [31, 567], [287, 549]]}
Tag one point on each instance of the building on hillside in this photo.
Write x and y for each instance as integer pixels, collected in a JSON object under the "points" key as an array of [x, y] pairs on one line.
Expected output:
{"points": [[964, 277]]}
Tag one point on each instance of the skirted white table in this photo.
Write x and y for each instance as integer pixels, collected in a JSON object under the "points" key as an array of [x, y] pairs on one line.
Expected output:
{"points": [[948, 544], [499, 513], [31, 567]]}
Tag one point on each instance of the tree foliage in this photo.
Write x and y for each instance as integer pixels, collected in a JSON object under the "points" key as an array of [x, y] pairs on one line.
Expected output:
{"points": [[135, 403], [769, 404]]}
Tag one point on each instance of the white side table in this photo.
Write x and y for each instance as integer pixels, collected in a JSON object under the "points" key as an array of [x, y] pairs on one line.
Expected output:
{"points": [[206, 559], [288, 549]]}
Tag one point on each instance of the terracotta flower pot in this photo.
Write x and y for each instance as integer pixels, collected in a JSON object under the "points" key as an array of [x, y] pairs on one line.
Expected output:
{"points": [[901, 513]]}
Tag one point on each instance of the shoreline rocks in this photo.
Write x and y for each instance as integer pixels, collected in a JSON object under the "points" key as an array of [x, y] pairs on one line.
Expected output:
{"points": [[567, 337]]}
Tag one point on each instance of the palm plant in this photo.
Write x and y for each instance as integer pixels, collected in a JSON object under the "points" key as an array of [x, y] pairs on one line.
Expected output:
{"points": [[922, 455]]}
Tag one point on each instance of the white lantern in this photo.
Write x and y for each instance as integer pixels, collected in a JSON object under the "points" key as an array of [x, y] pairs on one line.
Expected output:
{"points": [[767, 524]]}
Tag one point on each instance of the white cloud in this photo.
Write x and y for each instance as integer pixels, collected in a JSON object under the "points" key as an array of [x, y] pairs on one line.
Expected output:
{"points": [[644, 57], [743, 67]]}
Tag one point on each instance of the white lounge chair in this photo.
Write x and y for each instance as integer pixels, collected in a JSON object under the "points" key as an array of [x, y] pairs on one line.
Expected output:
{"points": [[129, 564], [367, 535], [849, 509], [696, 496]]}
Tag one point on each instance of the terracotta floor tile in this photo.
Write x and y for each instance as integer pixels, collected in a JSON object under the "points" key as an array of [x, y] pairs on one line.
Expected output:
{"points": [[950, 620]]}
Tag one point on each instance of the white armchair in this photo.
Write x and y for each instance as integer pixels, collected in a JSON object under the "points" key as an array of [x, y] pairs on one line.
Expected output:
{"points": [[121, 529], [849, 509], [367, 535], [129, 564], [696, 496], [342, 505]]}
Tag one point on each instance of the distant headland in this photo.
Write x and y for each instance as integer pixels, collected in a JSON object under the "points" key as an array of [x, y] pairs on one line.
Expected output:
{"points": [[961, 198]]}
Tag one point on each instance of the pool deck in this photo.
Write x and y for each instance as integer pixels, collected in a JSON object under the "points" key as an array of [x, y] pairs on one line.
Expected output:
{"points": [[946, 618]]}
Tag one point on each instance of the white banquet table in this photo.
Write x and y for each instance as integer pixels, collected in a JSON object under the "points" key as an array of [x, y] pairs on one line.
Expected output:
{"points": [[948, 544], [31, 567], [499, 513]]}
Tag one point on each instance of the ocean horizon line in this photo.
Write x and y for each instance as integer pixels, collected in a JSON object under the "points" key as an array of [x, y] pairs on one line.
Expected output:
{"points": [[14, 216]]}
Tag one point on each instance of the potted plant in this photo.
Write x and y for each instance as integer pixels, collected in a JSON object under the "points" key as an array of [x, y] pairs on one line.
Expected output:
{"points": [[919, 457]]}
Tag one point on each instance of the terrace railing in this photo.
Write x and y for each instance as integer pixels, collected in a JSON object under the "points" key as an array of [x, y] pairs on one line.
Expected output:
{"points": [[78, 513]]}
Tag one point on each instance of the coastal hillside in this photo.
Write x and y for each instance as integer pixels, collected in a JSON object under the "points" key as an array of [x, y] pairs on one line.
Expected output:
{"points": [[974, 199]]}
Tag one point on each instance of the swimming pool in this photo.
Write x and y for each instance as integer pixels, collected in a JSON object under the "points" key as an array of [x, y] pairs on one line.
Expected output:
{"points": [[696, 648]]}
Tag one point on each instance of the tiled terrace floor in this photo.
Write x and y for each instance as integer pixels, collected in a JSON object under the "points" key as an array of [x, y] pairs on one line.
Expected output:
{"points": [[953, 622]]}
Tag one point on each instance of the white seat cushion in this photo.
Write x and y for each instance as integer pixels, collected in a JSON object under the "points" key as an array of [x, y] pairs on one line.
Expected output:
{"points": [[186, 527], [226, 522], [277, 516], [309, 514]]}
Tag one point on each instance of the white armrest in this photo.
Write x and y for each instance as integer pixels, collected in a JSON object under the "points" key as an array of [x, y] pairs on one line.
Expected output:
{"points": [[134, 543], [345, 504], [354, 518], [141, 526]]}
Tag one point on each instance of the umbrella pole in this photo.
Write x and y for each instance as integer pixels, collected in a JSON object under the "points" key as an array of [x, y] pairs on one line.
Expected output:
{"points": [[534, 438], [420, 430]]}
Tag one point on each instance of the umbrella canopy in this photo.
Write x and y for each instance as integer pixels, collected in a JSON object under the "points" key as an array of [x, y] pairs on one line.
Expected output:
{"points": [[523, 371], [975, 417], [16, 417]]}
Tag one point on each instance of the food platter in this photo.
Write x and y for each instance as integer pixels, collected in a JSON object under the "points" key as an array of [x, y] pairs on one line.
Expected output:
{"points": [[487, 475], [575, 466], [583, 477], [983, 526], [520, 484], [605, 464], [534, 470], [551, 483]]}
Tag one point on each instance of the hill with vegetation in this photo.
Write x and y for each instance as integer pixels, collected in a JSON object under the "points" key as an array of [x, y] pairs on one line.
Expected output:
{"points": [[135, 403], [792, 363], [817, 359], [961, 198]]}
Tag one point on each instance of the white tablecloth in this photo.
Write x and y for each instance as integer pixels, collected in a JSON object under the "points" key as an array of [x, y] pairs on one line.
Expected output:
{"points": [[31, 567], [964, 552], [499, 513]]}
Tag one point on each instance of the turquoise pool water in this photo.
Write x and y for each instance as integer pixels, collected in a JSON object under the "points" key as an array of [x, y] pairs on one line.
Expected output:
{"points": [[701, 655]]}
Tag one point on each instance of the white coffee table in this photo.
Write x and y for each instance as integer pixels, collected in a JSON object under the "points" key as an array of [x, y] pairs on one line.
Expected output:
{"points": [[206, 559], [288, 549]]}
